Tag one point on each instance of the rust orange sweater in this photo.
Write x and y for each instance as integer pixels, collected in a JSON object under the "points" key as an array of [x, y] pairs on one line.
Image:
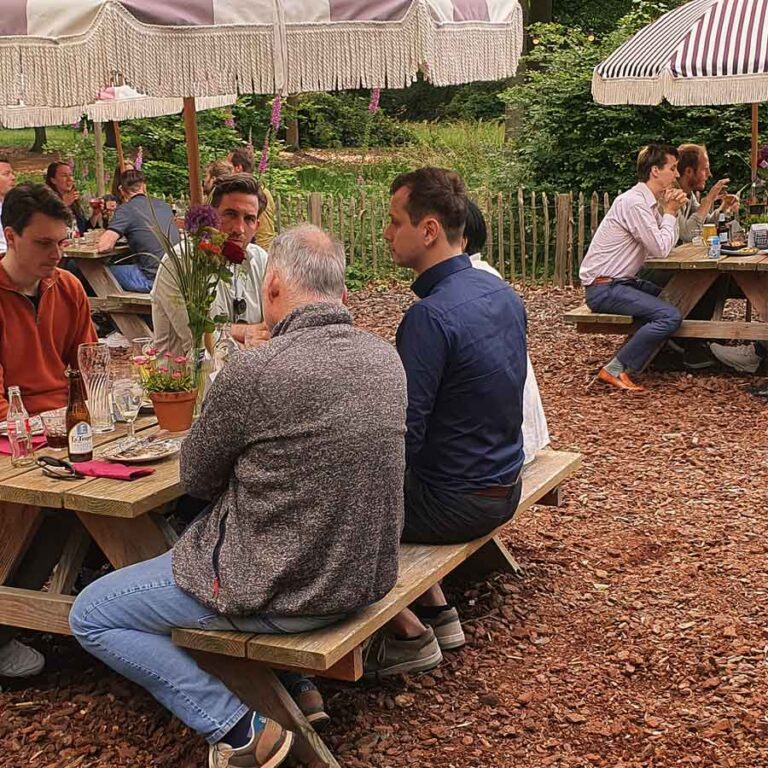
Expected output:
{"points": [[37, 346]]}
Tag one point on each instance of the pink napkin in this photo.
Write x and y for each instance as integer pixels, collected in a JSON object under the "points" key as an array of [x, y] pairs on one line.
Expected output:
{"points": [[112, 470], [5, 445]]}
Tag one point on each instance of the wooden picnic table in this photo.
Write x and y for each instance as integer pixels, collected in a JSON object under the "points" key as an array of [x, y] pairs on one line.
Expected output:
{"points": [[120, 516], [122, 306], [694, 273]]}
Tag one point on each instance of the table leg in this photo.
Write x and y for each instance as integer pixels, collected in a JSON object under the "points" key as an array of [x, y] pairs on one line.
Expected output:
{"points": [[103, 282], [755, 287], [18, 525], [492, 557], [259, 687], [126, 541]]}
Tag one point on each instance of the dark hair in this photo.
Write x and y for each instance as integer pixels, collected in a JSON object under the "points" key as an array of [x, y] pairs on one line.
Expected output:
{"points": [[689, 156], [50, 172], [131, 179], [475, 230], [243, 158], [5, 158], [435, 191], [22, 202], [238, 183], [653, 156], [119, 171]]}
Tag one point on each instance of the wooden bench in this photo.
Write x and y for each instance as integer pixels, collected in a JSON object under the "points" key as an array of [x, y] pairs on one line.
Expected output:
{"points": [[243, 660], [587, 321], [133, 303]]}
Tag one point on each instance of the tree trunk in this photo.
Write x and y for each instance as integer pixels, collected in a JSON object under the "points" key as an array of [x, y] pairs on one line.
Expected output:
{"points": [[40, 140], [292, 126]]}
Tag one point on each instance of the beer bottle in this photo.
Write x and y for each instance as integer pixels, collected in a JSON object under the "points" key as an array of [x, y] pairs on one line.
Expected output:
{"points": [[79, 432]]}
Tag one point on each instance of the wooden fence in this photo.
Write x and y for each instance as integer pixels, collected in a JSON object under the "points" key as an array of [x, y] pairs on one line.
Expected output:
{"points": [[533, 237]]}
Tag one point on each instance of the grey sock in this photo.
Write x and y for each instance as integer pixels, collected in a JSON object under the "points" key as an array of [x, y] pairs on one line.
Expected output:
{"points": [[614, 367]]}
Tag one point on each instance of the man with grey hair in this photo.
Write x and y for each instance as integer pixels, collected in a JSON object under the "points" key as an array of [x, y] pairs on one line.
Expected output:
{"points": [[304, 523]]}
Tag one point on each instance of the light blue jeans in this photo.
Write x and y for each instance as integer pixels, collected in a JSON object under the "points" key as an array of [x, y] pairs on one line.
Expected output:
{"points": [[132, 278], [125, 619]]}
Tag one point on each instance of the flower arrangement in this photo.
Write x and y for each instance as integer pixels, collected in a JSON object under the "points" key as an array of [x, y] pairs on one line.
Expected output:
{"points": [[200, 262], [166, 374]]}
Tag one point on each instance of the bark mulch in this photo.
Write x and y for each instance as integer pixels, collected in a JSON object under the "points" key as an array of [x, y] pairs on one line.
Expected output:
{"points": [[637, 637]]}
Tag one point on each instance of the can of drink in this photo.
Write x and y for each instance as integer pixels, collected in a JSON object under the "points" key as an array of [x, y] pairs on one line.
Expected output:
{"points": [[714, 247]]}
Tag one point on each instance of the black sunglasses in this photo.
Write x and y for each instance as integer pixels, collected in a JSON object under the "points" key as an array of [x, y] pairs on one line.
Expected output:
{"points": [[58, 468], [239, 306]]}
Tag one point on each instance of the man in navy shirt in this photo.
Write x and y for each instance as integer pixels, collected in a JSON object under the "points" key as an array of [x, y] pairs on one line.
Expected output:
{"points": [[463, 347]]}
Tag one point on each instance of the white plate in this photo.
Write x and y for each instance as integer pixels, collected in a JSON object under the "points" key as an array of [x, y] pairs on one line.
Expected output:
{"points": [[130, 451], [35, 423]]}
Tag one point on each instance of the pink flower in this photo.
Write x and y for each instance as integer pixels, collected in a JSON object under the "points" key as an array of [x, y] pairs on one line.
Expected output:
{"points": [[140, 360], [176, 375], [277, 108], [181, 360], [139, 159], [373, 107], [162, 369], [151, 352], [168, 355]]}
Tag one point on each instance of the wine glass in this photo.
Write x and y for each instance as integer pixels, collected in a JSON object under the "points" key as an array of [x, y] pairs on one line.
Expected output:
{"points": [[127, 394]]}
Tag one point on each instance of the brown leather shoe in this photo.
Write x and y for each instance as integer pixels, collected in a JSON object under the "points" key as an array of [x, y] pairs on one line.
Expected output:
{"points": [[310, 702], [622, 381]]}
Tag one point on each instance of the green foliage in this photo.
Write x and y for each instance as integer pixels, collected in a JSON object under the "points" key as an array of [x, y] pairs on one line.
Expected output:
{"points": [[588, 14], [568, 142]]}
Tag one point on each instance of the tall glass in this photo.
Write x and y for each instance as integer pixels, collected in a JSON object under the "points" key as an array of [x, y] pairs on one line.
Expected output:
{"points": [[128, 394], [93, 361]]}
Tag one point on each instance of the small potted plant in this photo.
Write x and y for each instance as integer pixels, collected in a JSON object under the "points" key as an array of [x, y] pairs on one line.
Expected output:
{"points": [[171, 386]]}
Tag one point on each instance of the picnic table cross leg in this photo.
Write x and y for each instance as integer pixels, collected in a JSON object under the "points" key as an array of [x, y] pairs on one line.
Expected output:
{"points": [[490, 558]]}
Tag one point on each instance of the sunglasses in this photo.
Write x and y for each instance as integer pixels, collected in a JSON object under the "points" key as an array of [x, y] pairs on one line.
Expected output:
{"points": [[58, 469], [239, 307]]}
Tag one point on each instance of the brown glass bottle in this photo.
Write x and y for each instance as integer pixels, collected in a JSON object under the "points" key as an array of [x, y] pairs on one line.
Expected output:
{"points": [[79, 432]]}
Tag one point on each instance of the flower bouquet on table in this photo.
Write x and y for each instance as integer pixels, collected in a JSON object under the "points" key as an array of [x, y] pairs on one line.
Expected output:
{"points": [[171, 386], [204, 258]]}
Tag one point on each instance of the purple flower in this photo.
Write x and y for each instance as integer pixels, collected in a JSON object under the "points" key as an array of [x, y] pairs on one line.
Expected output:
{"points": [[139, 159], [264, 155], [199, 217], [762, 156], [277, 108], [373, 107]]}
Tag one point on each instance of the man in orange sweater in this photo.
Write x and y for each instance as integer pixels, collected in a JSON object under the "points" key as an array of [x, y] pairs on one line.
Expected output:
{"points": [[44, 316], [44, 312]]}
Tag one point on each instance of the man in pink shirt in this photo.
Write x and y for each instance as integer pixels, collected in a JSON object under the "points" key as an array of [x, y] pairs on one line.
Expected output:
{"points": [[634, 230]]}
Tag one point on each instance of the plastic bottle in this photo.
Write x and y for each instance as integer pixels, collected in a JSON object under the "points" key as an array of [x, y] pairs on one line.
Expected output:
{"points": [[19, 431], [714, 247]]}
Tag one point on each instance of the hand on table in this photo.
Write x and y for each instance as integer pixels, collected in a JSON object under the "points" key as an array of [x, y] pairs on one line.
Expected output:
{"points": [[250, 335], [674, 200]]}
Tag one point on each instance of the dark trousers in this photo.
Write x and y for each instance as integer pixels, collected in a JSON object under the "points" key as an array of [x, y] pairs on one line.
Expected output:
{"points": [[434, 516], [638, 298]]}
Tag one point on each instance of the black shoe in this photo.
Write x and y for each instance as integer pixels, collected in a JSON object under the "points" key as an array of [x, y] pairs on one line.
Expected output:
{"points": [[697, 357]]}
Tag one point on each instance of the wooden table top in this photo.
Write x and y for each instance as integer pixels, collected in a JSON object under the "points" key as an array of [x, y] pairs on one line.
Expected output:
{"points": [[690, 256], [99, 496], [83, 250]]}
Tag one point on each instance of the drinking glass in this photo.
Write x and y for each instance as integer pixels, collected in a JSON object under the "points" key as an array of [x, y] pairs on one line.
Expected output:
{"points": [[55, 426], [93, 361], [128, 395]]}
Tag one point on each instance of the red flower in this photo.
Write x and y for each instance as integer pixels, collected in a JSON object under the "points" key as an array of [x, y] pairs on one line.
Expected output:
{"points": [[209, 247], [233, 253]]}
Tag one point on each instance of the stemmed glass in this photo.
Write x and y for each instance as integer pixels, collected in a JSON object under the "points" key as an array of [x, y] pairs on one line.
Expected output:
{"points": [[127, 394]]}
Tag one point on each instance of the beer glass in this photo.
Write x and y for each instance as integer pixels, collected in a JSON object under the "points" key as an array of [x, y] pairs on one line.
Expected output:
{"points": [[93, 361]]}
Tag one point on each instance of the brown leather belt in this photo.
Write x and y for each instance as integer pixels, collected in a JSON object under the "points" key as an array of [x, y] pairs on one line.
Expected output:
{"points": [[496, 491], [602, 281]]}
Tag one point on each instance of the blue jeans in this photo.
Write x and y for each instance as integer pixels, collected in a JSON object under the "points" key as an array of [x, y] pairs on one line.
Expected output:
{"points": [[638, 298], [125, 619], [132, 278]]}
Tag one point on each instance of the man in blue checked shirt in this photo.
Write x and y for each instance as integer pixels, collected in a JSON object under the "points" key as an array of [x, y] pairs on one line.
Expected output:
{"points": [[463, 347]]}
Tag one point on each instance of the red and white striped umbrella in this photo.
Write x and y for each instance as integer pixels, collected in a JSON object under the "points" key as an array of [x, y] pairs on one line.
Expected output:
{"points": [[705, 52], [59, 54]]}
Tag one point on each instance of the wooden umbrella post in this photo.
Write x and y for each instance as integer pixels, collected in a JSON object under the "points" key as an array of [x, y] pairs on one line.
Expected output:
{"points": [[193, 151], [98, 141], [119, 145], [755, 139]]}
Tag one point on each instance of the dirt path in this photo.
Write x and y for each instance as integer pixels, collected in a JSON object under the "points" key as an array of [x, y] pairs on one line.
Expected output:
{"points": [[637, 638]]}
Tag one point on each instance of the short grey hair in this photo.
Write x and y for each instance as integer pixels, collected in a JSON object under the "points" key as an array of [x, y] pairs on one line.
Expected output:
{"points": [[310, 261]]}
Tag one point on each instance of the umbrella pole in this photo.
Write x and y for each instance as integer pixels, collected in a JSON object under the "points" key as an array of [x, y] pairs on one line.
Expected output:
{"points": [[119, 145], [193, 151], [98, 140], [755, 139]]}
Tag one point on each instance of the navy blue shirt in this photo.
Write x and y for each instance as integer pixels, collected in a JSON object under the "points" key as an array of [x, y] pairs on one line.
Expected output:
{"points": [[463, 347]]}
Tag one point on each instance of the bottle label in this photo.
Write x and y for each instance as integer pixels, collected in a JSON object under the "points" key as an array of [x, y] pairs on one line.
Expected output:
{"points": [[81, 438]]}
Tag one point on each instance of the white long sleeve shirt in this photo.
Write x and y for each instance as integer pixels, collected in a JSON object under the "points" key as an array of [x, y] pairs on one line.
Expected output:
{"points": [[632, 231]]}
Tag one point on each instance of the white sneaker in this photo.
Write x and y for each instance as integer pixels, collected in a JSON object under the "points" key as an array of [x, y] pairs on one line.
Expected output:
{"points": [[742, 358], [19, 660]]}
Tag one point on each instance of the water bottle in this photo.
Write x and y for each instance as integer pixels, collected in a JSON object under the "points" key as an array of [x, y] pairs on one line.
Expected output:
{"points": [[714, 247], [19, 431]]}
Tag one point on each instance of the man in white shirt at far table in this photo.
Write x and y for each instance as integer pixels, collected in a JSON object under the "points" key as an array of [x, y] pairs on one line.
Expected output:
{"points": [[633, 231]]}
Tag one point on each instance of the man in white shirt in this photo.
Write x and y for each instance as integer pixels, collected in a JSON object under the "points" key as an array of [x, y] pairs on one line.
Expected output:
{"points": [[633, 231], [238, 200], [7, 183]]}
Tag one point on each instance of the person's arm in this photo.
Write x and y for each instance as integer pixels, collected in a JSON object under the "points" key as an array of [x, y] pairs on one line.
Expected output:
{"points": [[107, 241], [423, 348], [3, 401], [658, 240], [219, 436], [706, 207], [690, 222]]}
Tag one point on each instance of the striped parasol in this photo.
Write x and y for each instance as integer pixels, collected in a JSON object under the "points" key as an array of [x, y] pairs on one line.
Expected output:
{"points": [[705, 52], [59, 54]]}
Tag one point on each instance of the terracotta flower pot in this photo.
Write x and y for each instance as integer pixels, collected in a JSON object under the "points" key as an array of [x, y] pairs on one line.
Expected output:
{"points": [[174, 410]]}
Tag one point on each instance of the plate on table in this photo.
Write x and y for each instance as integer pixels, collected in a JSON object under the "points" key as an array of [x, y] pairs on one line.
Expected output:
{"points": [[739, 251], [140, 451], [35, 424]]}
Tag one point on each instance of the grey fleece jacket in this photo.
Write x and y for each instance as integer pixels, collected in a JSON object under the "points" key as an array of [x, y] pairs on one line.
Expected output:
{"points": [[301, 442]]}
